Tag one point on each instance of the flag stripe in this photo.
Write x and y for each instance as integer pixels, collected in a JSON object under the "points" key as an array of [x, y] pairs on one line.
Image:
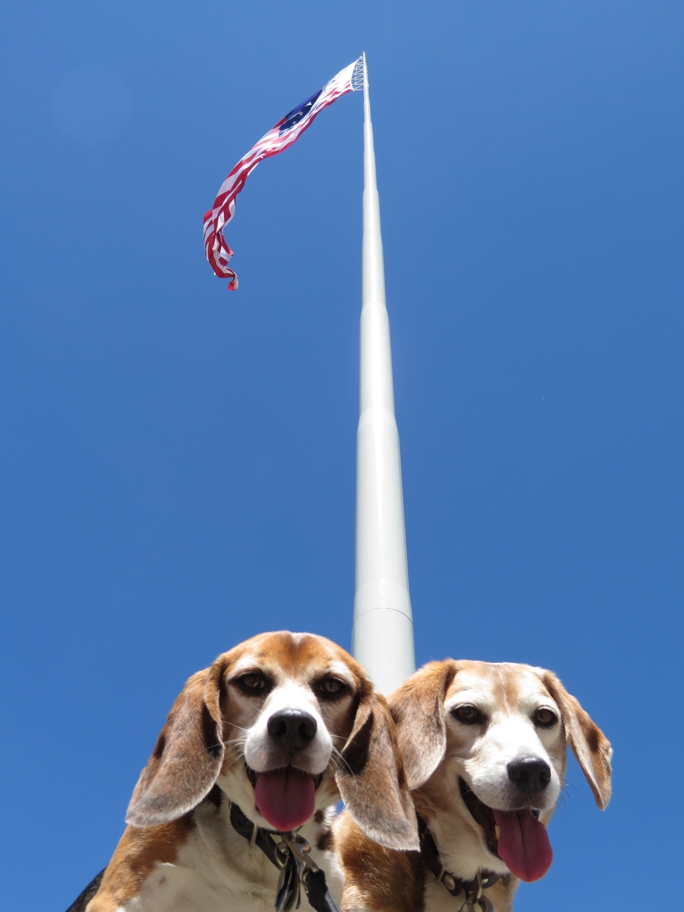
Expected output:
{"points": [[275, 141]]}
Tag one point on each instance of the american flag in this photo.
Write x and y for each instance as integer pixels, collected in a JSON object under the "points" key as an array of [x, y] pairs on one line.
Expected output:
{"points": [[283, 134]]}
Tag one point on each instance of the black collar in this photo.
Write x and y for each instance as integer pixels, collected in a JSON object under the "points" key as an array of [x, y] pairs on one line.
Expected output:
{"points": [[291, 857], [254, 835], [455, 885]]}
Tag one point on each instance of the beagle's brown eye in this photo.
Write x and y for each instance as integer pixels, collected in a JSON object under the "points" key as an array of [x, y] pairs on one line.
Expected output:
{"points": [[253, 683], [545, 718], [468, 714], [331, 688]]}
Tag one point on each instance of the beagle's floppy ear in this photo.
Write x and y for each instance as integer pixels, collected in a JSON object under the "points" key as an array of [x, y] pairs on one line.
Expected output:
{"points": [[588, 743], [418, 710], [188, 755], [371, 778]]}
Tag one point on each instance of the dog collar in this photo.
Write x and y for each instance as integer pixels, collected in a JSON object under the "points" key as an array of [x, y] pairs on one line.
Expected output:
{"points": [[292, 858], [455, 885]]}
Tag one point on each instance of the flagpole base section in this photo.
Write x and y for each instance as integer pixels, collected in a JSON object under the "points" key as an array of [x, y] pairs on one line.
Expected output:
{"points": [[382, 639]]}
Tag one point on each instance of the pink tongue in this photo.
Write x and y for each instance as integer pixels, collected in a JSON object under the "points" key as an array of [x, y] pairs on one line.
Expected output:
{"points": [[285, 798], [523, 844]]}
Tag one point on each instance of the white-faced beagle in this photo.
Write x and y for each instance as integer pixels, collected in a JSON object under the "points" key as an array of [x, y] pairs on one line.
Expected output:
{"points": [[263, 742], [484, 748]]}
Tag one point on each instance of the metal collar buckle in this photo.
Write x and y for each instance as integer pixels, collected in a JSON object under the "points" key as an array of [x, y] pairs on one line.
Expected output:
{"points": [[474, 895], [295, 866]]}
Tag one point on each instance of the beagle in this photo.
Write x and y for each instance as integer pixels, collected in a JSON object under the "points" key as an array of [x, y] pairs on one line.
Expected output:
{"points": [[484, 747], [263, 742]]}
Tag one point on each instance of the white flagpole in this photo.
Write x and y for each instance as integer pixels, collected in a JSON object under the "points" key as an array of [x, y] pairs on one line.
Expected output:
{"points": [[382, 636]]}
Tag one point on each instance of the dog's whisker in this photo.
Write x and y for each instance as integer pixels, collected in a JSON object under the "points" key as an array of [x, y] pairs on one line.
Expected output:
{"points": [[338, 761], [234, 741]]}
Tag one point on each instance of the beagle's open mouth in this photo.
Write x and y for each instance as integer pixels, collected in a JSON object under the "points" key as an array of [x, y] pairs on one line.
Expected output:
{"points": [[285, 797], [518, 838]]}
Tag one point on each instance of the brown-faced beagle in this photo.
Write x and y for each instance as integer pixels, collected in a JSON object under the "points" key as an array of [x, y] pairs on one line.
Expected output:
{"points": [[275, 732], [484, 748]]}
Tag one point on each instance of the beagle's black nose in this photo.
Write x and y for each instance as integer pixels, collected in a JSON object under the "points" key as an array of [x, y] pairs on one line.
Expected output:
{"points": [[530, 774], [292, 729]]}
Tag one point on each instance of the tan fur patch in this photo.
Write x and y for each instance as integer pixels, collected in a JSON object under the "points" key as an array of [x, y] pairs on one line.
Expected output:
{"points": [[377, 878], [136, 857]]}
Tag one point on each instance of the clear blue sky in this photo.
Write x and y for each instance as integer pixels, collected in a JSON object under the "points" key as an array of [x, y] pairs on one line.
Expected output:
{"points": [[178, 461]]}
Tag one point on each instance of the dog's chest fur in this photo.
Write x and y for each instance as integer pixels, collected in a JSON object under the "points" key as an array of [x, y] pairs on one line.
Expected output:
{"points": [[216, 870], [438, 899]]}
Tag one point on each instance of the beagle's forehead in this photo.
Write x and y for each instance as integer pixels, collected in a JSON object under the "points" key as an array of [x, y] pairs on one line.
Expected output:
{"points": [[296, 656], [504, 684]]}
